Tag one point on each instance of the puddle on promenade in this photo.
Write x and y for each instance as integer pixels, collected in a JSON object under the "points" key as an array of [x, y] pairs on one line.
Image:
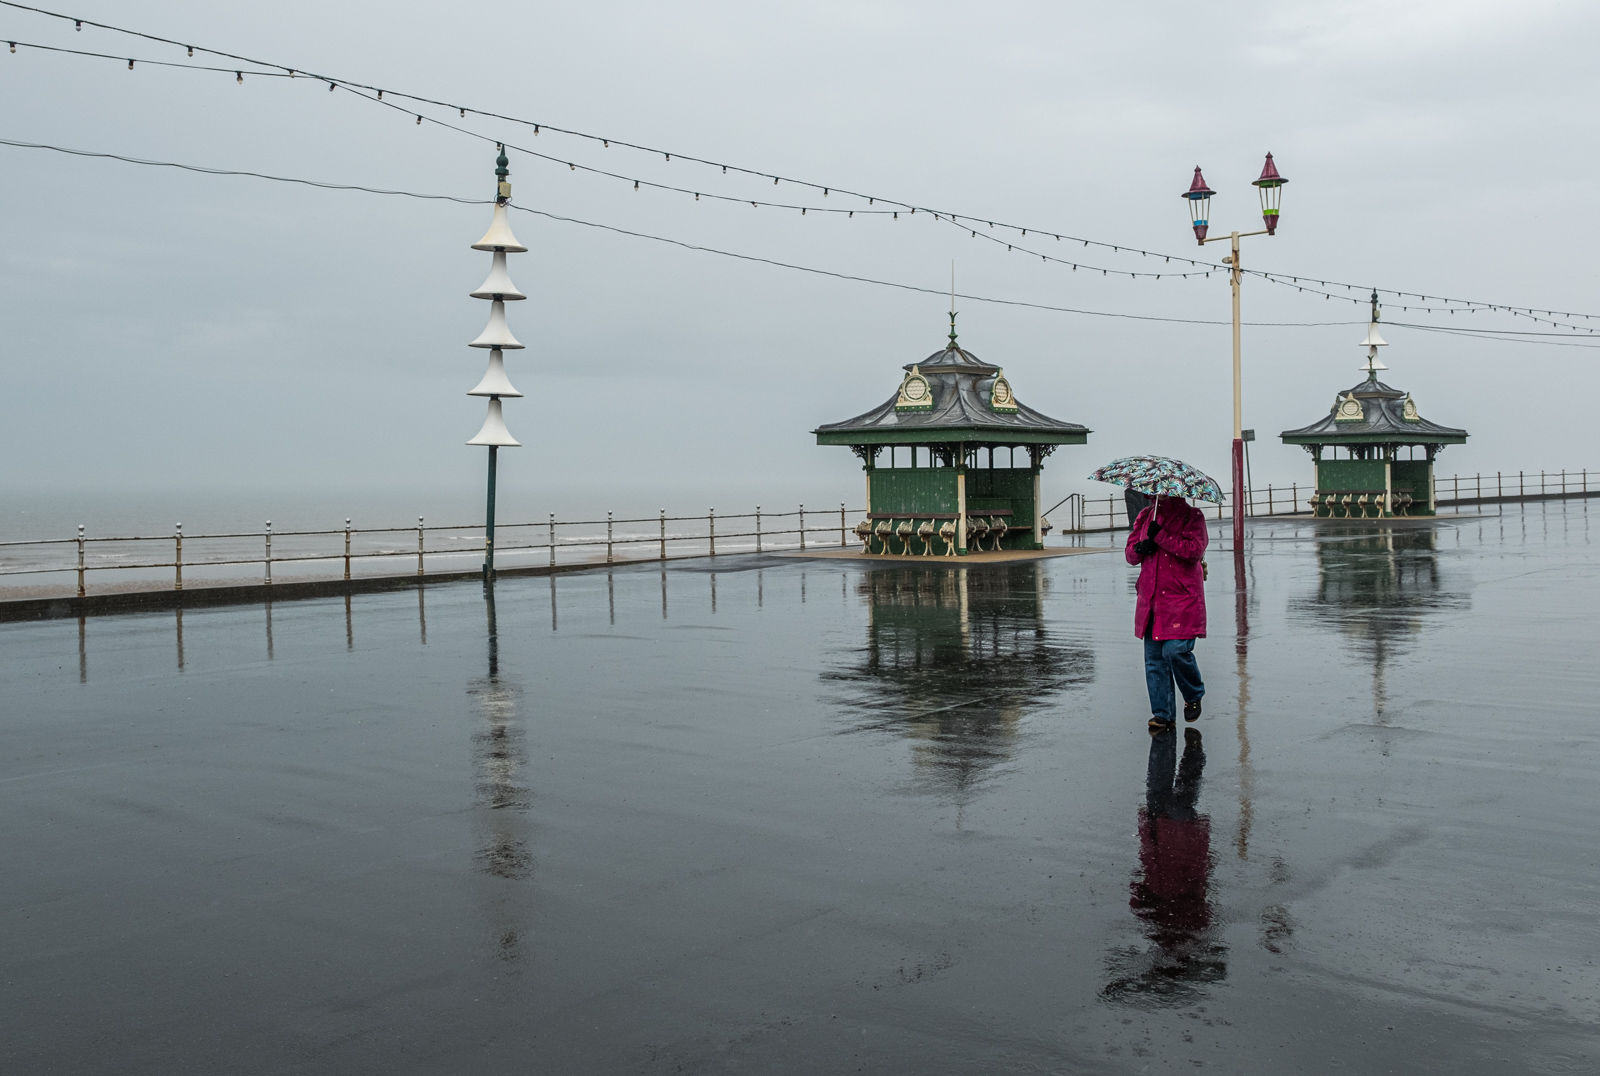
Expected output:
{"points": [[817, 816]]}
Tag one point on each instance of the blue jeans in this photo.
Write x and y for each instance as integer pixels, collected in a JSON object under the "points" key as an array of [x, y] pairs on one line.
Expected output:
{"points": [[1166, 660]]}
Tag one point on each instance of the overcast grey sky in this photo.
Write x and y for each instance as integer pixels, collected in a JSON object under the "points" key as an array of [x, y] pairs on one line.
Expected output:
{"points": [[189, 336]]}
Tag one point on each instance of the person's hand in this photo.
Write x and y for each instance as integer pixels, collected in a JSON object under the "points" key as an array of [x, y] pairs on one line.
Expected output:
{"points": [[1152, 530], [1145, 548]]}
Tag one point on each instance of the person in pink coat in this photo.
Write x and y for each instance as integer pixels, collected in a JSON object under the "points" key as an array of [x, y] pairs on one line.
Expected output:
{"points": [[1167, 542]]}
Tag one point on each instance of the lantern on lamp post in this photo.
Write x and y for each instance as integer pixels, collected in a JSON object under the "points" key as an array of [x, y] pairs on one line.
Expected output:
{"points": [[1199, 196], [1270, 187], [497, 338]]}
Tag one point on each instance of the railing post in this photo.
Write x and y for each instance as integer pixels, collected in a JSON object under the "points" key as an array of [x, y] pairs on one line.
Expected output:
{"points": [[802, 526], [1521, 487], [608, 538], [711, 522], [419, 547], [663, 536], [267, 557], [758, 528], [80, 560], [841, 525], [347, 547], [552, 539], [177, 562], [1498, 492]]}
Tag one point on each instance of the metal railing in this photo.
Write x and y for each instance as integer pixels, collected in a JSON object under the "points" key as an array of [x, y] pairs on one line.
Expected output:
{"points": [[609, 540], [445, 548], [1091, 514], [1505, 486]]}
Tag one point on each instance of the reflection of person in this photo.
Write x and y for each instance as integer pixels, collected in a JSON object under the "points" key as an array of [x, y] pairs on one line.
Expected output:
{"points": [[1167, 541], [1170, 892], [1174, 846]]}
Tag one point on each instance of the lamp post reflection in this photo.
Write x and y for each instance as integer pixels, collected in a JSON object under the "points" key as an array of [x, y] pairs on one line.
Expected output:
{"points": [[1171, 889], [1241, 658], [954, 659], [503, 859]]}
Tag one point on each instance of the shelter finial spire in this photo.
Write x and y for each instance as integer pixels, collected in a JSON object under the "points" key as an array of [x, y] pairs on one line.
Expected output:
{"points": [[1373, 342], [952, 305]]}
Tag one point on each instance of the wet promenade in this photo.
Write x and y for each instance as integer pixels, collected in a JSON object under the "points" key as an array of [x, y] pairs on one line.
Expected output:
{"points": [[817, 817]]}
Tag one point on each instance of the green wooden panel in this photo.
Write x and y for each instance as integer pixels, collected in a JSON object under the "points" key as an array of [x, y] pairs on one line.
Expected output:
{"points": [[913, 490], [1350, 474], [1004, 488], [1414, 473]]}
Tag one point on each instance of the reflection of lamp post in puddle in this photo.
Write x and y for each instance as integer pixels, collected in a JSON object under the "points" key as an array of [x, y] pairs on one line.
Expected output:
{"points": [[1241, 656], [504, 856]]}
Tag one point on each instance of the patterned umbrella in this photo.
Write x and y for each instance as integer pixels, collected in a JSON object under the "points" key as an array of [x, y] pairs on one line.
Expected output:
{"points": [[1160, 477]]}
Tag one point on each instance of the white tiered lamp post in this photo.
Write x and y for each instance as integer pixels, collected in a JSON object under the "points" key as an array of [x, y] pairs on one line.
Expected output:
{"points": [[499, 290]]}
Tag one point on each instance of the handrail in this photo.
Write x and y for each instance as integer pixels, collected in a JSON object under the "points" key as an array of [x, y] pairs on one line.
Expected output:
{"points": [[1086, 515]]}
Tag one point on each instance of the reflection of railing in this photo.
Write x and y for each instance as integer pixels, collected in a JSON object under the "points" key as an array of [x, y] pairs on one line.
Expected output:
{"points": [[386, 549]]}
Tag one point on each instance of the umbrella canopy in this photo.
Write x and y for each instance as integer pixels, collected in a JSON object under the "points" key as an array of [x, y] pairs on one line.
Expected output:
{"points": [[1160, 476]]}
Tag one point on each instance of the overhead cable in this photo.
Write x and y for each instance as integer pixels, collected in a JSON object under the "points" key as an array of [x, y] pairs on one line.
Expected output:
{"points": [[967, 221], [654, 238]]}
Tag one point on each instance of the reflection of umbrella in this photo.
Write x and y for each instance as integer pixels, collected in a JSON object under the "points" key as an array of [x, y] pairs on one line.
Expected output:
{"points": [[1160, 477]]}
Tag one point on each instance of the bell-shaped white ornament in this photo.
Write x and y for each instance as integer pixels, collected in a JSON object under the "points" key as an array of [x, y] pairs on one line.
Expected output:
{"points": [[498, 285], [497, 333], [494, 430], [1373, 338], [495, 382], [499, 236]]}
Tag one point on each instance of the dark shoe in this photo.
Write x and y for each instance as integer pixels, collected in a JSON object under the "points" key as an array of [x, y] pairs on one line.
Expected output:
{"points": [[1191, 710], [1161, 724], [1191, 738]]}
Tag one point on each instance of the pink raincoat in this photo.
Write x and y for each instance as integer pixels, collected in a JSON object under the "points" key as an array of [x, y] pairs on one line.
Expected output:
{"points": [[1171, 579]]}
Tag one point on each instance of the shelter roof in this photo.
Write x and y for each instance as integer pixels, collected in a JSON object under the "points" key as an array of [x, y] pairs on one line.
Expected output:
{"points": [[962, 387], [1386, 416]]}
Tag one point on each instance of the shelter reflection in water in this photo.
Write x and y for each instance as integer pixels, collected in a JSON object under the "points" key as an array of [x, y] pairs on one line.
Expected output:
{"points": [[1377, 586], [1171, 889], [954, 659]]}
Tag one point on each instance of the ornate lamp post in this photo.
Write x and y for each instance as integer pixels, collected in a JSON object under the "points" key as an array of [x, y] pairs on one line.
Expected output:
{"points": [[497, 337], [1270, 186]]}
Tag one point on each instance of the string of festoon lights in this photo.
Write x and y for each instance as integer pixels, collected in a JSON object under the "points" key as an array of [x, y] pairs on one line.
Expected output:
{"points": [[876, 205], [1528, 337]]}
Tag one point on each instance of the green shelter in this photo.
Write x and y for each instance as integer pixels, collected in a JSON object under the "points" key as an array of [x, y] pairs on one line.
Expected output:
{"points": [[944, 470], [1373, 452]]}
